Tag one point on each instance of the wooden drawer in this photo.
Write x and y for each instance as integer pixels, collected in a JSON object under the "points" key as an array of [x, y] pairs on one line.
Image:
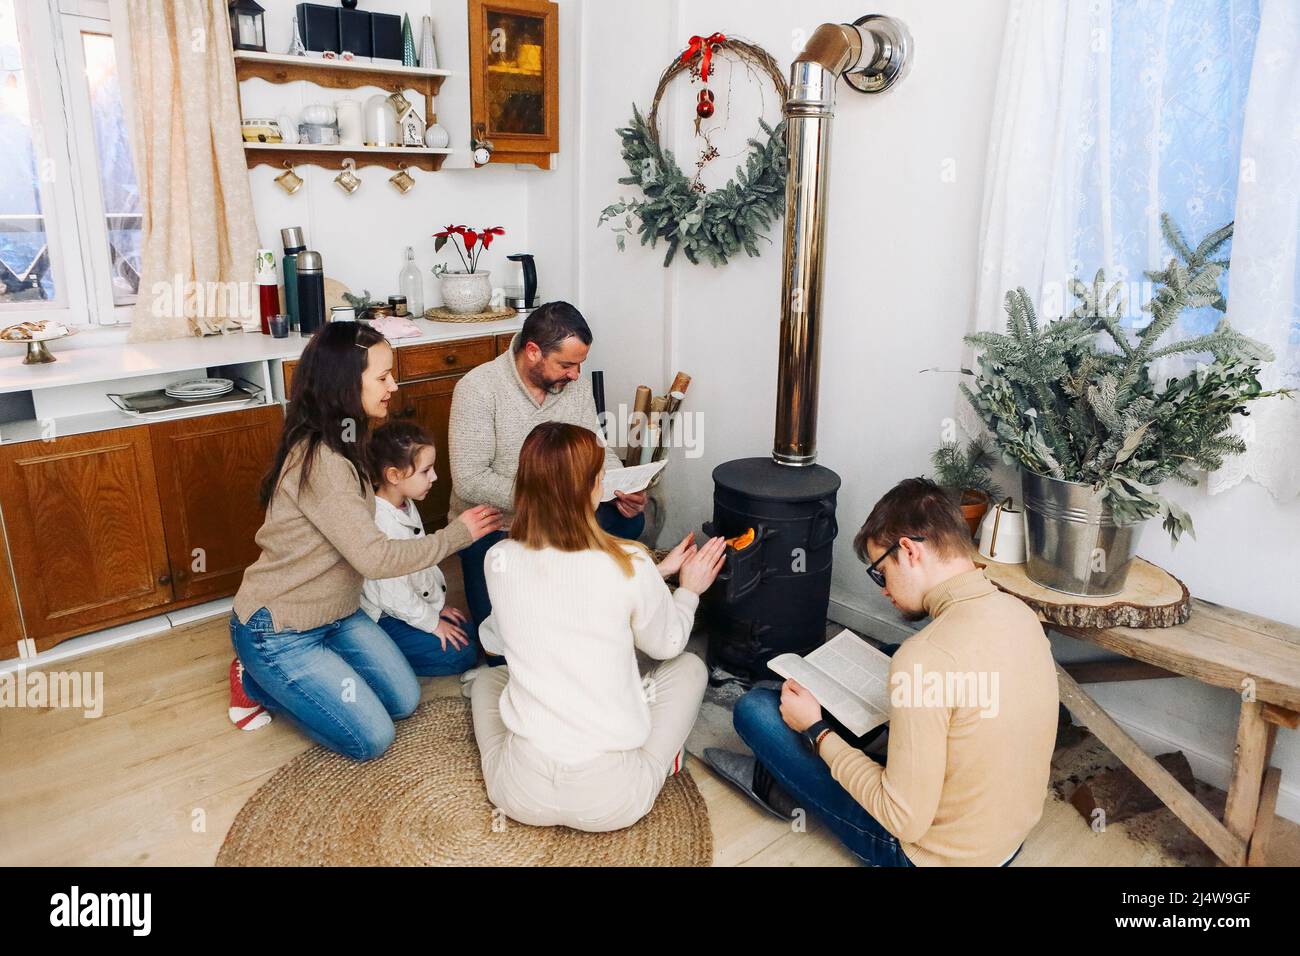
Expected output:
{"points": [[504, 340], [447, 358]]}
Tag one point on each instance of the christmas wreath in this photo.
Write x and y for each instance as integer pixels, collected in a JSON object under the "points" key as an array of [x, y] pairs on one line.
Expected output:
{"points": [[705, 224]]}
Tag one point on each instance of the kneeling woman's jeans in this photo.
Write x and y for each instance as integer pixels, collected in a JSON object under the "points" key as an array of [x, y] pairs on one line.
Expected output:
{"points": [[343, 683]]}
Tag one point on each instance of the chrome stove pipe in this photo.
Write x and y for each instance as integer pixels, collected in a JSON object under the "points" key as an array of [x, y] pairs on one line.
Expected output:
{"points": [[871, 54]]}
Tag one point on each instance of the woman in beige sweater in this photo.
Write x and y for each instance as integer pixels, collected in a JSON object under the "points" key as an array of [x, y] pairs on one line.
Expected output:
{"points": [[305, 646]]}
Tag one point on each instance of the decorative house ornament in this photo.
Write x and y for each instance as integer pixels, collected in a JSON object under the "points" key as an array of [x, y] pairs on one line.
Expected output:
{"points": [[680, 210], [247, 26], [410, 126]]}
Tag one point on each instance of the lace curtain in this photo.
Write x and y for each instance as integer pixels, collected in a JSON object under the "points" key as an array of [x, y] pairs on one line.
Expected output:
{"points": [[1110, 112], [198, 205]]}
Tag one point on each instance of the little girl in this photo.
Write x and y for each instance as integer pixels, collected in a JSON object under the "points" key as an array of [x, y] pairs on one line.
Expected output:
{"points": [[436, 639]]}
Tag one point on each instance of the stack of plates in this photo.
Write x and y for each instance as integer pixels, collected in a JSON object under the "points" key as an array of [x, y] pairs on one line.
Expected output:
{"points": [[199, 388]]}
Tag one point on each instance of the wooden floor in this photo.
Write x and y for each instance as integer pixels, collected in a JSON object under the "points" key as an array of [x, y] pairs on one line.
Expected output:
{"points": [[160, 776]]}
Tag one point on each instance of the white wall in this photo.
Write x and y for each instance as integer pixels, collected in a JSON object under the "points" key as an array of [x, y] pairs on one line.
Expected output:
{"points": [[900, 277], [362, 236]]}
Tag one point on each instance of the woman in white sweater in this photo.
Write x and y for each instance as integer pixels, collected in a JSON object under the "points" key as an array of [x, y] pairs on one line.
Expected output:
{"points": [[568, 732]]}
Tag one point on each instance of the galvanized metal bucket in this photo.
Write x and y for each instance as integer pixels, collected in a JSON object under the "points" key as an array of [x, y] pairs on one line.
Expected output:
{"points": [[1072, 541]]}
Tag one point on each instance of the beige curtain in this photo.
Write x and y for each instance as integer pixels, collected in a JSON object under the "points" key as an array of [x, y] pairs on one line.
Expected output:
{"points": [[200, 238]]}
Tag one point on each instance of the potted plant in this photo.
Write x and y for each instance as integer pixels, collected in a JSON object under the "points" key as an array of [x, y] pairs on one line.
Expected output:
{"points": [[967, 474], [1075, 404], [467, 290]]}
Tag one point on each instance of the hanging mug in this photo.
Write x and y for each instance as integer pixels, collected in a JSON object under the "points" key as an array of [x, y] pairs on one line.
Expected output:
{"points": [[348, 179], [401, 179], [288, 180], [1002, 534]]}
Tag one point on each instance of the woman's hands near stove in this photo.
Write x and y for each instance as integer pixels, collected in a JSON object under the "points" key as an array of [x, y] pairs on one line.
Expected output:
{"points": [[699, 570], [672, 562]]}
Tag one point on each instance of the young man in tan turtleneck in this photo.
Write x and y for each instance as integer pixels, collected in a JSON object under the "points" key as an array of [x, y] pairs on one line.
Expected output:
{"points": [[972, 720]]}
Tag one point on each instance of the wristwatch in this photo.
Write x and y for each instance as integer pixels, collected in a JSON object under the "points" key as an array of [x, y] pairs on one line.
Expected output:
{"points": [[813, 735]]}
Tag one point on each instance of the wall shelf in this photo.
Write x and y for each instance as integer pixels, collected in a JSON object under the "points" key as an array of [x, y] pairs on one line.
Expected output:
{"points": [[337, 74], [342, 75], [331, 157]]}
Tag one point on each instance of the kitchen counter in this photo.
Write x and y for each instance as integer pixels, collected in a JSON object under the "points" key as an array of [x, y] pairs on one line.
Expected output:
{"points": [[104, 355]]}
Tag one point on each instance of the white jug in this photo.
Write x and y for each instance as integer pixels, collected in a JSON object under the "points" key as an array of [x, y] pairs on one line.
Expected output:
{"points": [[1002, 534]]}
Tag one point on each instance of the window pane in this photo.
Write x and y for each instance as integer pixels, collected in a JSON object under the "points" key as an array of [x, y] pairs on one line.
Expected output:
{"points": [[25, 274], [116, 173]]}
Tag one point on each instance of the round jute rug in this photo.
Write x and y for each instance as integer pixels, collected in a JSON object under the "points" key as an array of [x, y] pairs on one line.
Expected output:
{"points": [[424, 803]]}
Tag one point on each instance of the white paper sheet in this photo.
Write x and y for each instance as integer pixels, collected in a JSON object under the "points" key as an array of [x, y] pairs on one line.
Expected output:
{"points": [[629, 480]]}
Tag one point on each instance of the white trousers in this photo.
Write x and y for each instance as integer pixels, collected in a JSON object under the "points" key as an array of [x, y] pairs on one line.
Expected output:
{"points": [[608, 792]]}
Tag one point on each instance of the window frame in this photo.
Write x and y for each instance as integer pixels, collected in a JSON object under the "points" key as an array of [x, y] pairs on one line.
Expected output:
{"points": [[72, 201]]}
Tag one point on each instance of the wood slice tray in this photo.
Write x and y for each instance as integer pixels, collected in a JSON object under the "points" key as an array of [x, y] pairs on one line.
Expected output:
{"points": [[439, 314], [1152, 597]]}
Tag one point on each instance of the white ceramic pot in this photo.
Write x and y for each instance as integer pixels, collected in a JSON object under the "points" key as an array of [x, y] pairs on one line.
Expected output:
{"points": [[318, 114], [466, 292], [436, 137]]}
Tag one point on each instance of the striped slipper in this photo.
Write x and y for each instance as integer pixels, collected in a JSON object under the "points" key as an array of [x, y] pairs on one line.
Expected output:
{"points": [[244, 712]]}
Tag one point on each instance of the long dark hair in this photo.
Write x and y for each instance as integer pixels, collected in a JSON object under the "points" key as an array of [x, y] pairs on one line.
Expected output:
{"points": [[325, 402], [395, 445]]}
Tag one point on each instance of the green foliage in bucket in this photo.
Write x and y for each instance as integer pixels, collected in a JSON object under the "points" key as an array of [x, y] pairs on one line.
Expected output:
{"points": [[1074, 399]]}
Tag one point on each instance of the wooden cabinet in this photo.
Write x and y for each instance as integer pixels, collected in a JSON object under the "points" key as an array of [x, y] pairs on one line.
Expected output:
{"points": [[113, 526], [514, 48], [11, 622], [210, 472], [287, 370], [85, 531], [503, 341], [429, 404], [445, 358]]}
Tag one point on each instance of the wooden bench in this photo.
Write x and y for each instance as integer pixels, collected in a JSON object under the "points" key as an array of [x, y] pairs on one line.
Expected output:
{"points": [[1257, 658]]}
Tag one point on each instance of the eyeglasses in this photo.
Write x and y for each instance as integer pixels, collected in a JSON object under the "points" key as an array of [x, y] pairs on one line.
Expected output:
{"points": [[879, 576]]}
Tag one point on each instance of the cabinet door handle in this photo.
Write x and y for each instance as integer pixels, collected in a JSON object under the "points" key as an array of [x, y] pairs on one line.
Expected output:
{"points": [[164, 579], [450, 359]]}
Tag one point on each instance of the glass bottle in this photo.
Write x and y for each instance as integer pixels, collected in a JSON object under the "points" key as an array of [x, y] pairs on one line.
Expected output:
{"points": [[411, 284]]}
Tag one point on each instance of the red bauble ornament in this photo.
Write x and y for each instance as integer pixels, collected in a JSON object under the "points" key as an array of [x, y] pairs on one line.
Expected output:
{"points": [[704, 105]]}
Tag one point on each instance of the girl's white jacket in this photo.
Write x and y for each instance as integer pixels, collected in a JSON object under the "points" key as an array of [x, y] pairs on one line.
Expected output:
{"points": [[416, 598]]}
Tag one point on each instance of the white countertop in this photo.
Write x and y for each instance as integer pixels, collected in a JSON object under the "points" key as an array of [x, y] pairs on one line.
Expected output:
{"points": [[104, 355]]}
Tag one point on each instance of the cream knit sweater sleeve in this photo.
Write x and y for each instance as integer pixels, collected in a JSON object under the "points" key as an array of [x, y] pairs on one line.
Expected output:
{"points": [[333, 502], [471, 435], [661, 619]]}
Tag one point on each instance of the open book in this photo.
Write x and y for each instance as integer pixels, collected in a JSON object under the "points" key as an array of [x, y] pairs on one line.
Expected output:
{"points": [[629, 480], [848, 676]]}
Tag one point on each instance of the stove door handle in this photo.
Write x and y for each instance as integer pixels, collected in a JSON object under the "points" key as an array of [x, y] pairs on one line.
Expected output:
{"points": [[824, 526]]}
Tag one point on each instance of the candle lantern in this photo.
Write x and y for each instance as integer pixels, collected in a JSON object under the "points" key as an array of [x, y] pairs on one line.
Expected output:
{"points": [[247, 30]]}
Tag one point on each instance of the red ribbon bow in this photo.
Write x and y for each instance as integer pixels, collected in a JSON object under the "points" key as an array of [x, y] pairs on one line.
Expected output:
{"points": [[703, 46]]}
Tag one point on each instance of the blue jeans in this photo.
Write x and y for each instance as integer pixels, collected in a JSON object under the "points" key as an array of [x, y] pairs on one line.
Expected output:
{"points": [[806, 777], [423, 651], [471, 558], [343, 683]]}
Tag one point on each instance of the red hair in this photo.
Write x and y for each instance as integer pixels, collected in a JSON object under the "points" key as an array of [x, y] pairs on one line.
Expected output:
{"points": [[558, 465]]}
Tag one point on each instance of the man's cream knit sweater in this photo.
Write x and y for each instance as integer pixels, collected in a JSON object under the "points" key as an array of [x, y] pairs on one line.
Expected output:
{"points": [[965, 780], [492, 412]]}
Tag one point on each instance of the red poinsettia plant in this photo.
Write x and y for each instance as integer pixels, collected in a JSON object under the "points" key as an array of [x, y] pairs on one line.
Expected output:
{"points": [[468, 243]]}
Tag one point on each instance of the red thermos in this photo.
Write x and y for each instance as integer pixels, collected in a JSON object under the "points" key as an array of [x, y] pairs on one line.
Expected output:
{"points": [[268, 289]]}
